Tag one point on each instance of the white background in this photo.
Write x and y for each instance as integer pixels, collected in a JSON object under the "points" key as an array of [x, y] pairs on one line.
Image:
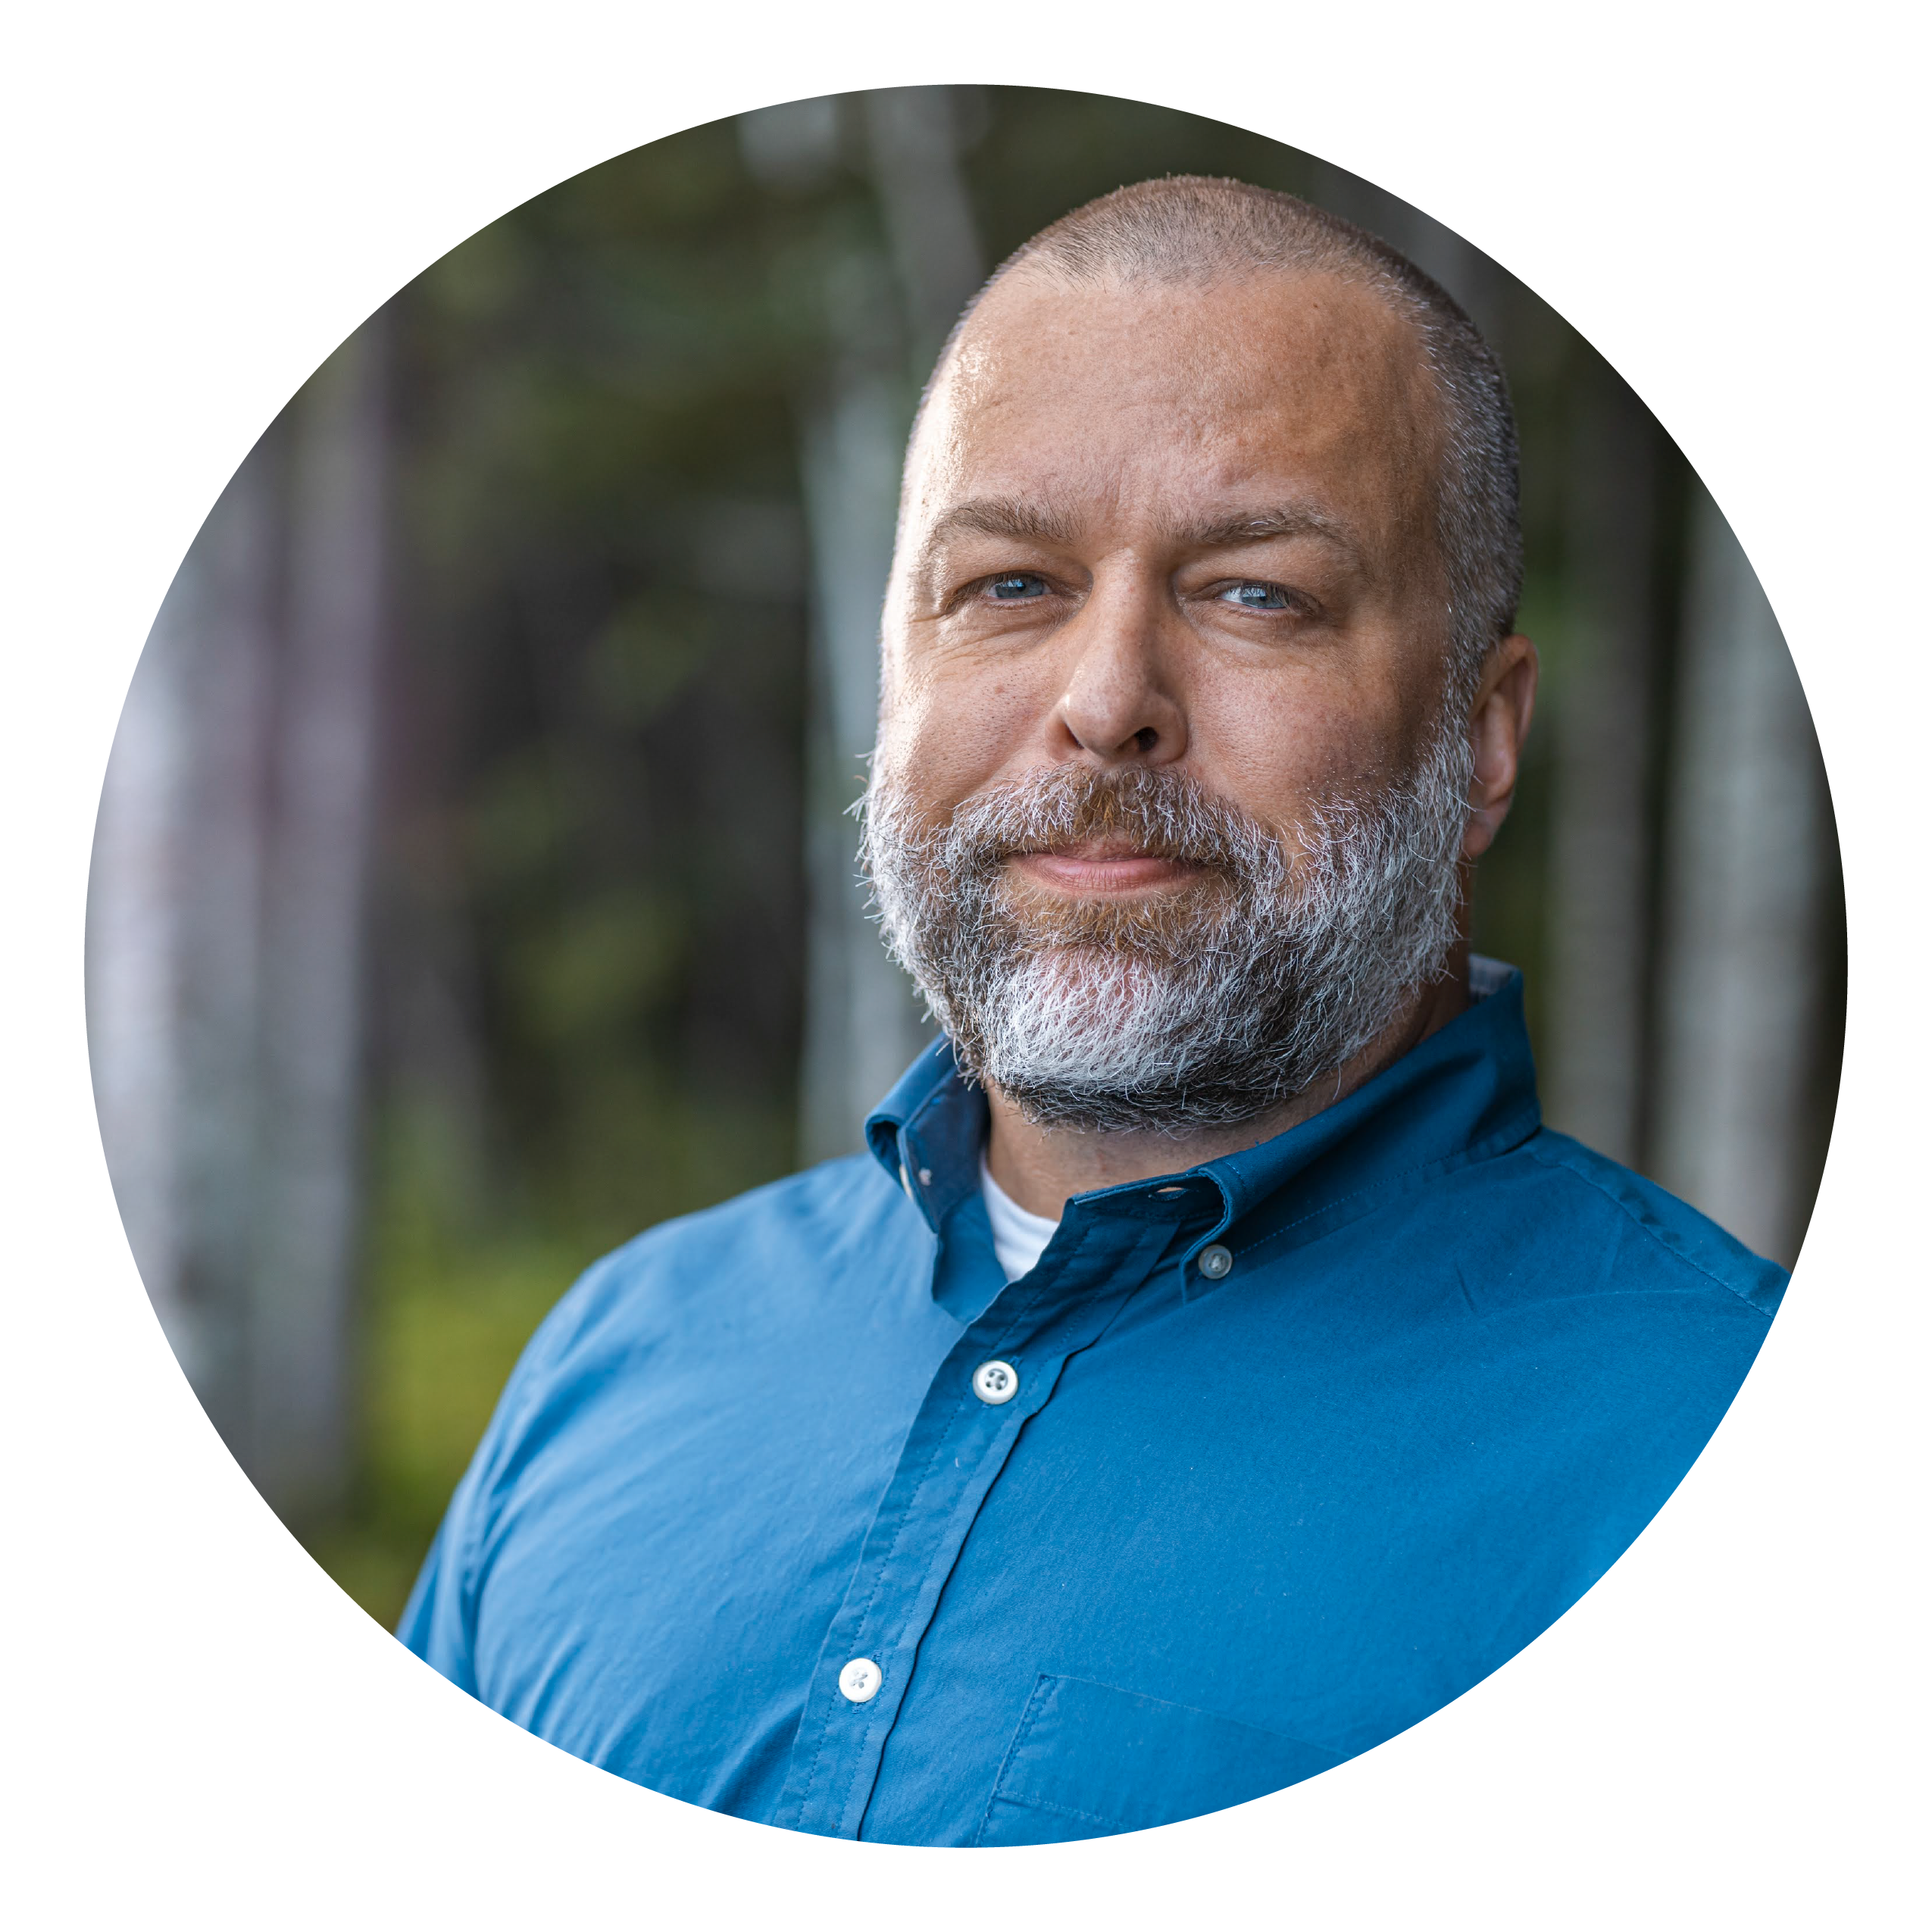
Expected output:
{"points": [[201, 200]]}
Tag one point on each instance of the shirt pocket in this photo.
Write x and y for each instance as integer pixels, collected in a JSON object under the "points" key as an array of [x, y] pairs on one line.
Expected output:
{"points": [[1089, 1760]]}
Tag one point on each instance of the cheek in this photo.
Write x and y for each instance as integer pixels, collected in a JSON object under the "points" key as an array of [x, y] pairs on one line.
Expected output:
{"points": [[948, 728], [1274, 747]]}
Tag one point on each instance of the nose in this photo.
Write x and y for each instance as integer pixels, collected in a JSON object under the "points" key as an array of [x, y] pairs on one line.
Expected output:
{"points": [[1119, 705]]}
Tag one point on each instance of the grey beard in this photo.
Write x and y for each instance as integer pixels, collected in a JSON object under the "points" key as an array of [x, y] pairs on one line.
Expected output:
{"points": [[1205, 1009]]}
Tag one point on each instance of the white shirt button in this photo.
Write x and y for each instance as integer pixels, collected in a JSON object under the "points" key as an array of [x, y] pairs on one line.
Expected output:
{"points": [[995, 1382], [1214, 1262], [860, 1681]]}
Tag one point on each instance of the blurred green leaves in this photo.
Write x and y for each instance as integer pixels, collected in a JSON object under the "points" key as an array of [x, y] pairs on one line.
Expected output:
{"points": [[599, 966]]}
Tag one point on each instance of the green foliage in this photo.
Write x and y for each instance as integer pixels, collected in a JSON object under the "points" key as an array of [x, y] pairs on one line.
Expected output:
{"points": [[458, 1285], [441, 1339]]}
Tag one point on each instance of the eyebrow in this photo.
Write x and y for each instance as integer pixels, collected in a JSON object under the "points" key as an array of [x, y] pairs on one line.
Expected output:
{"points": [[1223, 533], [1002, 516], [1013, 516]]}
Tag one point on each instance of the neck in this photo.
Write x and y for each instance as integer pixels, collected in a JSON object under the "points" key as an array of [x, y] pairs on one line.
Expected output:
{"points": [[1042, 1167]]}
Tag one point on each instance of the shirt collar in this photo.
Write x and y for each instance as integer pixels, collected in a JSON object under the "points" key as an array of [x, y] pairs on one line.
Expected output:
{"points": [[927, 1133], [1466, 1091]]}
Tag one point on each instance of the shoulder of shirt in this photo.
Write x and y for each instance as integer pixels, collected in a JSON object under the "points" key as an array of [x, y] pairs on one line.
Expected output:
{"points": [[823, 1212], [1689, 1249], [619, 1304]]}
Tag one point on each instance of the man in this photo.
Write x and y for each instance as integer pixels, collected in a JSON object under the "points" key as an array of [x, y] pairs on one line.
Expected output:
{"points": [[1213, 1368]]}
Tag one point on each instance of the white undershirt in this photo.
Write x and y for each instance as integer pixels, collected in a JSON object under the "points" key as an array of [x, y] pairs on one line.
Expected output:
{"points": [[1019, 1238]]}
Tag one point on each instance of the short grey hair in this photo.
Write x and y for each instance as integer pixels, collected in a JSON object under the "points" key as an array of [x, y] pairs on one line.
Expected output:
{"points": [[1199, 230]]}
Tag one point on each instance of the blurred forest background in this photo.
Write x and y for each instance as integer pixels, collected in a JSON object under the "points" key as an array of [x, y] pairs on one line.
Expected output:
{"points": [[472, 888]]}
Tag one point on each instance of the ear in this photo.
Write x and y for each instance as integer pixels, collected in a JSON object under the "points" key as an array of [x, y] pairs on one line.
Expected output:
{"points": [[1498, 723]]}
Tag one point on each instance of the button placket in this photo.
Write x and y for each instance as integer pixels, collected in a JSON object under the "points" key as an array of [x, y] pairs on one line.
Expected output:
{"points": [[885, 1624], [954, 1453]]}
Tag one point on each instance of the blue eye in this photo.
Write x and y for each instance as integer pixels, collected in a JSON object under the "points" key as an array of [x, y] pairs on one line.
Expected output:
{"points": [[1017, 588], [1258, 597]]}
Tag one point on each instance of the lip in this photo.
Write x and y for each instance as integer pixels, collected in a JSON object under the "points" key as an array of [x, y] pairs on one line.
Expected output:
{"points": [[1100, 867]]}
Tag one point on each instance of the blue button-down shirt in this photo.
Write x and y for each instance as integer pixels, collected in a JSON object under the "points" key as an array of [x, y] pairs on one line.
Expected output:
{"points": [[1229, 1531]]}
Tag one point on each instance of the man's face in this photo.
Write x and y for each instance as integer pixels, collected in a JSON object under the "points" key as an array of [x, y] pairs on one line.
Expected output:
{"points": [[1182, 529], [1165, 819]]}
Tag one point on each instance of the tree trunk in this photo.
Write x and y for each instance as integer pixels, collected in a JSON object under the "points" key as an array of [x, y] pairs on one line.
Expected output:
{"points": [[172, 941], [225, 935], [862, 1018], [133, 913], [863, 1021], [314, 919], [1747, 909]]}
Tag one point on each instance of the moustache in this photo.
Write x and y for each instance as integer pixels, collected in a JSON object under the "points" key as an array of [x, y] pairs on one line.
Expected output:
{"points": [[1163, 814]]}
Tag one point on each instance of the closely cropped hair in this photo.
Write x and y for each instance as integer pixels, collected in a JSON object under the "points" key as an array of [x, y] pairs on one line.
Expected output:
{"points": [[1192, 228]]}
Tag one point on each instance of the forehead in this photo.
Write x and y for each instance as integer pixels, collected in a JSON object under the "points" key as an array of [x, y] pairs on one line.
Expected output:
{"points": [[1146, 393]]}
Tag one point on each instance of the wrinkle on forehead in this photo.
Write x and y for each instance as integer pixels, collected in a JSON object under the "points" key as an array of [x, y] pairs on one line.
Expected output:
{"points": [[1310, 366]]}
